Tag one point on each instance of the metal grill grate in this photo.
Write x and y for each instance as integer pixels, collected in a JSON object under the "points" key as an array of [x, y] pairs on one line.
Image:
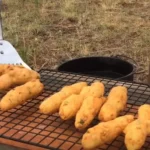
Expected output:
{"points": [[26, 124]]}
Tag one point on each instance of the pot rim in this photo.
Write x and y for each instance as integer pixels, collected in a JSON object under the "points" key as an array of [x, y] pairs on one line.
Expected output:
{"points": [[111, 57]]}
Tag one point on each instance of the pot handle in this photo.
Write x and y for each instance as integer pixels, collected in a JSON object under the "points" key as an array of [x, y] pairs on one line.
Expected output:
{"points": [[131, 60], [126, 57]]}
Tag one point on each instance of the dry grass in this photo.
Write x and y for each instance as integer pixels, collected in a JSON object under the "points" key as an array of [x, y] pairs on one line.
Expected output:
{"points": [[48, 32]]}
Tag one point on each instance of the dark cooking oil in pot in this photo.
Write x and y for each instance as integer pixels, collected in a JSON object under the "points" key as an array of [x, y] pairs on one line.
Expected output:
{"points": [[109, 74]]}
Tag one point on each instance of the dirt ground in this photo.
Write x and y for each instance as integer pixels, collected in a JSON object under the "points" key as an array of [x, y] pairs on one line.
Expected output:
{"points": [[49, 32]]}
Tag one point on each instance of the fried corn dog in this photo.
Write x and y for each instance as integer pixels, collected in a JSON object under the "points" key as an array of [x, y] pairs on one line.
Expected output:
{"points": [[17, 76], [135, 135], [88, 111], [70, 106], [144, 112], [52, 104], [105, 132], [21, 94], [137, 131], [116, 103], [96, 89]]}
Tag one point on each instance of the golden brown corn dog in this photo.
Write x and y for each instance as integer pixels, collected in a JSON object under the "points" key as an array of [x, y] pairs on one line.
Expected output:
{"points": [[105, 132], [116, 102], [17, 76], [96, 89], [21, 94], [52, 104], [70, 106], [137, 131], [135, 135], [144, 112], [88, 111]]}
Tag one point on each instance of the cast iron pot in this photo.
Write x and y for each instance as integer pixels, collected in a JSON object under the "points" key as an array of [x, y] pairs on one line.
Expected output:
{"points": [[108, 67]]}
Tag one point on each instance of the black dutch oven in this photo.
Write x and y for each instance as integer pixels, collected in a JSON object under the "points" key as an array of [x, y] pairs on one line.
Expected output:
{"points": [[108, 67]]}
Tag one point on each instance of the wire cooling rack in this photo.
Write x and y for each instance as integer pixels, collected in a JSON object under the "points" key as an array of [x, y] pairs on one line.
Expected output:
{"points": [[25, 124]]}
